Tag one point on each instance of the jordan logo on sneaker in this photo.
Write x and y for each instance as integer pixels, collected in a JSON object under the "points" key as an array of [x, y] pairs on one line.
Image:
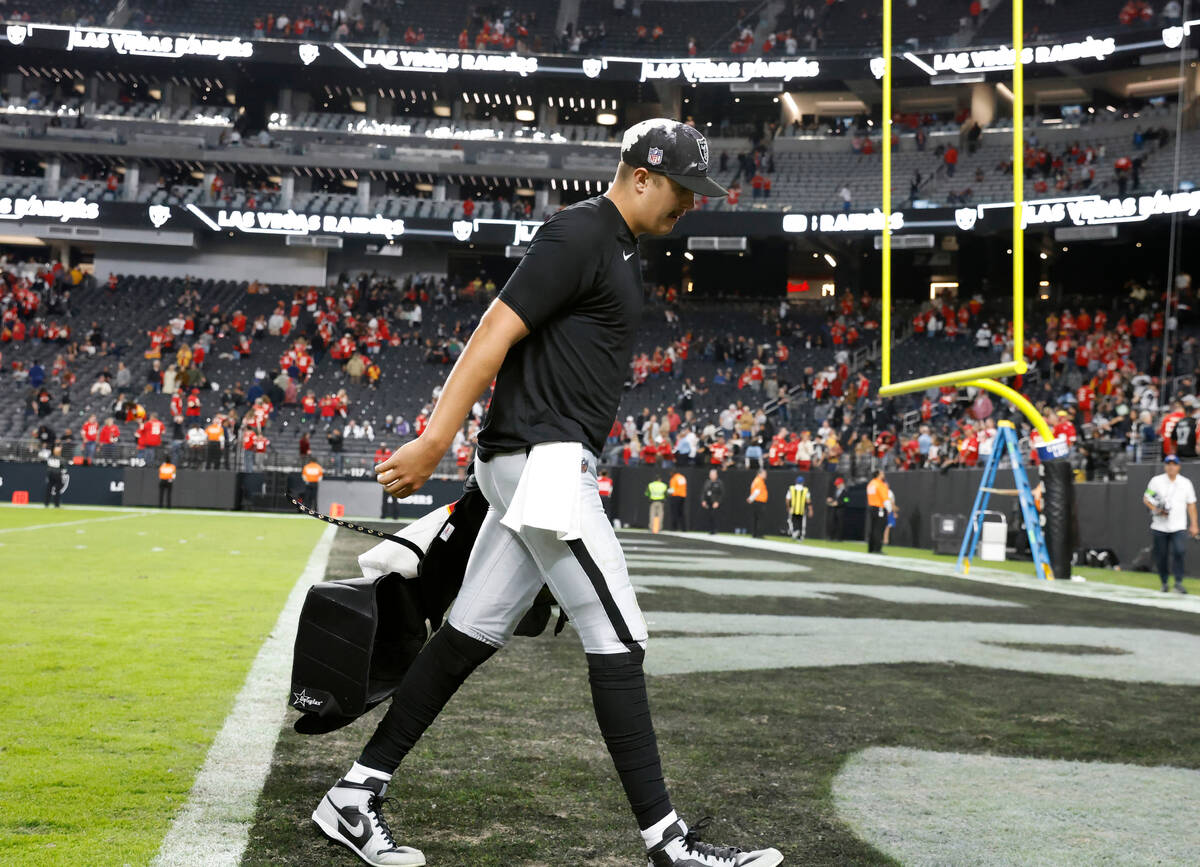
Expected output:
{"points": [[360, 831]]}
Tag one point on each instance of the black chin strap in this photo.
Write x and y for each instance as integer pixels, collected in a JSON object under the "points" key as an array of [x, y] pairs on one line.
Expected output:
{"points": [[358, 528]]}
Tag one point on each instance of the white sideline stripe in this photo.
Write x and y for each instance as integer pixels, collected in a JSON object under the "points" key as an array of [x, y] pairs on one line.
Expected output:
{"points": [[1090, 590], [214, 826], [73, 523]]}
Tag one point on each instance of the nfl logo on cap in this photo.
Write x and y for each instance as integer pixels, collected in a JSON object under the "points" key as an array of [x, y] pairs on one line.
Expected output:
{"points": [[654, 157]]}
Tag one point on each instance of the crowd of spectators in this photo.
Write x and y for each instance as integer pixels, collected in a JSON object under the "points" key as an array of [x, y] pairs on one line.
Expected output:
{"points": [[1097, 374]]}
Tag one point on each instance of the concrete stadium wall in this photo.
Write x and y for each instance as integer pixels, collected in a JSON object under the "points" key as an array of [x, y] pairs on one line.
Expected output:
{"points": [[99, 486], [194, 489], [1108, 514]]}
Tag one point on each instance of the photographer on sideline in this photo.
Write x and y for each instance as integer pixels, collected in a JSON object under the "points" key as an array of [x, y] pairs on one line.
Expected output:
{"points": [[1171, 499]]}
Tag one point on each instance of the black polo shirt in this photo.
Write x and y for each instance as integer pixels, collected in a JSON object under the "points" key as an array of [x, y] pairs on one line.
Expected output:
{"points": [[579, 291]]}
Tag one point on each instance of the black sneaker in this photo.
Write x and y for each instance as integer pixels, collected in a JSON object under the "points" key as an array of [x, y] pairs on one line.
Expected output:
{"points": [[1166, 588], [1179, 589], [682, 848], [350, 814]]}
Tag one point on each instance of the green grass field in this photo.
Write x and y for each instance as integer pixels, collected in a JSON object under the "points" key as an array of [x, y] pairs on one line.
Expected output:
{"points": [[124, 637], [770, 675]]}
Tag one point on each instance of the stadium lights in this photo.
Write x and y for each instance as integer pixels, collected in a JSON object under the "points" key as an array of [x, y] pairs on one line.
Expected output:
{"points": [[832, 261], [1043, 283], [1044, 255], [792, 107], [688, 255], [441, 109], [606, 118], [526, 115]]}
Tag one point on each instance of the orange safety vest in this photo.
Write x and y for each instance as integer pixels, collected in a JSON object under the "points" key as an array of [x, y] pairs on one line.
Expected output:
{"points": [[758, 490], [166, 472], [678, 486], [313, 473], [214, 432], [877, 494]]}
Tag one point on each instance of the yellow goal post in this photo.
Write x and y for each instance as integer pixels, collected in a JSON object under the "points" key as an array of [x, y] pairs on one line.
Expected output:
{"points": [[980, 377]]}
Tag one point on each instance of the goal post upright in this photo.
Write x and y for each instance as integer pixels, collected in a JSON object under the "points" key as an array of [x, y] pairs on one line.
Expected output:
{"points": [[989, 374]]}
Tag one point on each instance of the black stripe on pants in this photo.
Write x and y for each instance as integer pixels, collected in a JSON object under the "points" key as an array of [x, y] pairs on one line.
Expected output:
{"points": [[605, 595]]}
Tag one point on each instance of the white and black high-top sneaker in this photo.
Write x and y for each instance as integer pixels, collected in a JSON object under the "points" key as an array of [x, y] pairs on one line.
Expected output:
{"points": [[351, 814], [683, 848]]}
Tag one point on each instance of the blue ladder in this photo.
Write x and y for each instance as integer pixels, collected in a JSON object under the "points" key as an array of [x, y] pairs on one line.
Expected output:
{"points": [[1006, 445]]}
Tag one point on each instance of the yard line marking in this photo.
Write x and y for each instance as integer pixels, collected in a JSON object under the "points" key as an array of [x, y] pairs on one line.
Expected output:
{"points": [[74, 523], [213, 828], [1089, 590]]}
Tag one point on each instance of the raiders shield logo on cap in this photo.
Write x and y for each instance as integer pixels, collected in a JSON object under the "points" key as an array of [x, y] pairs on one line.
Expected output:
{"points": [[654, 157]]}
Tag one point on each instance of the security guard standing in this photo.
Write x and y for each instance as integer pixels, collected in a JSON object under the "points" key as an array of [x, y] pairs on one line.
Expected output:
{"points": [[877, 498], [54, 477], [215, 432], [312, 474], [758, 503], [710, 500], [657, 492], [800, 509], [836, 503], [677, 491], [166, 482]]}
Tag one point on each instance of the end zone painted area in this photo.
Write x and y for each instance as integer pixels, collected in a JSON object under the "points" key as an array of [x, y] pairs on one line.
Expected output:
{"points": [[1088, 590]]}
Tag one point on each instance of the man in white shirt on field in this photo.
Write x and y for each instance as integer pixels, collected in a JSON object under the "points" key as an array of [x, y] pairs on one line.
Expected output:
{"points": [[1171, 499]]}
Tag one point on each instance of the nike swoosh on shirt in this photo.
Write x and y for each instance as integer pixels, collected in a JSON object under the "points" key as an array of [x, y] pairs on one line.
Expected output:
{"points": [[627, 256]]}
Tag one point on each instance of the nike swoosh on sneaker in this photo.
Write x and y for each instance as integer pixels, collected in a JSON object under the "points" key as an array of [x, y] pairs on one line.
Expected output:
{"points": [[360, 831], [628, 255]]}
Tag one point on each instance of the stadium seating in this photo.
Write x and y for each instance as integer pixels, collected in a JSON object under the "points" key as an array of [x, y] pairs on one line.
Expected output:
{"points": [[142, 303]]}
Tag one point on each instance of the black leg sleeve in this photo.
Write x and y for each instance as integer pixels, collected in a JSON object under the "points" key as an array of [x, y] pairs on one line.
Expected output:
{"points": [[623, 712], [435, 675]]}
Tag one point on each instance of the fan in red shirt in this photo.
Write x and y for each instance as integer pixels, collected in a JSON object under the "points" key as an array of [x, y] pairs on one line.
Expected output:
{"points": [[110, 434], [1064, 428], [1085, 396], [884, 442], [90, 434], [968, 449], [1166, 430], [309, 404], [193, 404]]}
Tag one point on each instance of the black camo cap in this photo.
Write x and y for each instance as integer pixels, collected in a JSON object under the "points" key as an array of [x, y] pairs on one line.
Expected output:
{"points": [[673, 149]]}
